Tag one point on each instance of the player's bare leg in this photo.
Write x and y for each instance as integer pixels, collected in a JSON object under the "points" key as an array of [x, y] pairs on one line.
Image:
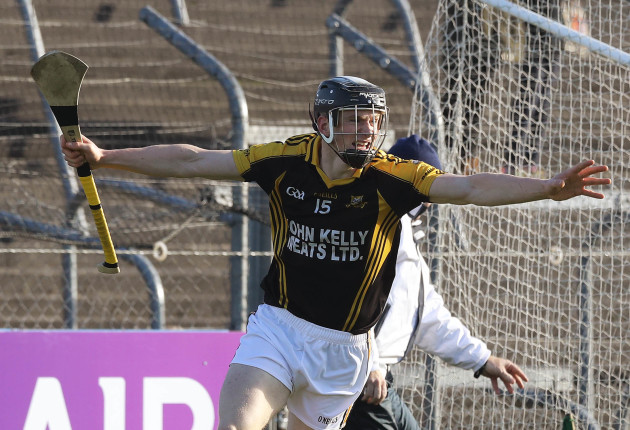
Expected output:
{"points": [[296, 424], [249, 398]]}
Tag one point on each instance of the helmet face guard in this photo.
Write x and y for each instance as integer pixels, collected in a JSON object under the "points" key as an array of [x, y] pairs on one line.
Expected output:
{"points": [[345, 143], [344, 99]]}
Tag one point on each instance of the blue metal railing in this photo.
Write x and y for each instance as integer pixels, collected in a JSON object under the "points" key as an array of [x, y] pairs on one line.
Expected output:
{"points": [[240, 120], [75, 238], [73, 211]]}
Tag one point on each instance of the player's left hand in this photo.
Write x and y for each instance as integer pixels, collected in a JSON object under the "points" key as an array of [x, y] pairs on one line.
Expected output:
{"points": [[500, 368], [375, 389], [573, 182]]}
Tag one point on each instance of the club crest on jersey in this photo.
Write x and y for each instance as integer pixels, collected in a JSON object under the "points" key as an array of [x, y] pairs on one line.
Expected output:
{"points": [[356, 202], [295, 193]]}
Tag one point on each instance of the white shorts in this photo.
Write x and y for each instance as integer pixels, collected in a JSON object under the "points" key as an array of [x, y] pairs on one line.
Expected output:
{"points": [[324, 369]]}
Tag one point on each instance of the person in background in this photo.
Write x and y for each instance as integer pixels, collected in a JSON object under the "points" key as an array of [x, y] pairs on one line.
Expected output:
{"points": [[415, 315]]}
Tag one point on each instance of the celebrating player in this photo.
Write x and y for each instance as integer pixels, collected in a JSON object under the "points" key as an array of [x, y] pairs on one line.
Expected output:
{"points": [[335, 202]]}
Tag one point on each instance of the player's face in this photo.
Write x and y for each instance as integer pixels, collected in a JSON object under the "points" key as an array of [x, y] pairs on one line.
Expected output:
{"points": [[357, 128]]}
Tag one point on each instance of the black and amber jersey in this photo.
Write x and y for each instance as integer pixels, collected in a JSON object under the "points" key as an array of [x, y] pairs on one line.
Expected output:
{"points": [[335, 242]]}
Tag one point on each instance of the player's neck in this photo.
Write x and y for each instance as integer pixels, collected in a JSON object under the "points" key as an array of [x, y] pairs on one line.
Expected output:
{"points": [[332, 165]]}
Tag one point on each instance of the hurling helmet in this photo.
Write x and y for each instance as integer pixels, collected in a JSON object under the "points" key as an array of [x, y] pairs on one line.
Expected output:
{"points": [[346, 95]]}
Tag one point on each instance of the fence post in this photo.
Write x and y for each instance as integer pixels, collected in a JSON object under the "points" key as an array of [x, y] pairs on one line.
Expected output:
{"points": [[238, 107]]}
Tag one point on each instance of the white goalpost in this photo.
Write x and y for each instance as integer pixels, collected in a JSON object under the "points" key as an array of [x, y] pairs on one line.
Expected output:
{"points": [[530, 88]]}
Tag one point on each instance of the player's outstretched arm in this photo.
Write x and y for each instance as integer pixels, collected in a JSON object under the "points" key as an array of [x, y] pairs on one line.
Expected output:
{"points": [[488, 189], [509, 373], [183, 161]]}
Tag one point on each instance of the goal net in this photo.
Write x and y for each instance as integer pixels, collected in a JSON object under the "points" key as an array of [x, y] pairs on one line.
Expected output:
{"points": [[544, 284]]}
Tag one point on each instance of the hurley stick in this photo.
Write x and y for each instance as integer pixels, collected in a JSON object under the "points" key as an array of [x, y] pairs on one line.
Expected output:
{"points": [[59, 76]]}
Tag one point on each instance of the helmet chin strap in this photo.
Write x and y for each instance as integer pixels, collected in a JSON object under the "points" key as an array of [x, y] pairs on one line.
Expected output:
{"points": [[357, 158]]}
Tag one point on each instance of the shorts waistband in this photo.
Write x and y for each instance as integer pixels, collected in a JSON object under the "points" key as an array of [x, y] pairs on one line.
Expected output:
{"points": [[314, 330]]}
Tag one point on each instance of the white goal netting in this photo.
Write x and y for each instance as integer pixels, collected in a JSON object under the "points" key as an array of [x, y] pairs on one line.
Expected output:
{"points": [[545, 284]]}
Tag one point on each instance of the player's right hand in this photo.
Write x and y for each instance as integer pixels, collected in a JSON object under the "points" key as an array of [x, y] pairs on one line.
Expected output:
{"points": [[77, 153]]}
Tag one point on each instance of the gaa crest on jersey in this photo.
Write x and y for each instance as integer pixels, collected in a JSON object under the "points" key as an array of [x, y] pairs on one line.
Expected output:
{"points": [[356, 202], [295, 193]]}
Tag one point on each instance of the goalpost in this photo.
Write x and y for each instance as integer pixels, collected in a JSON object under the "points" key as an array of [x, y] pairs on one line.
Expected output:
{"points": [[531, 88]]}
